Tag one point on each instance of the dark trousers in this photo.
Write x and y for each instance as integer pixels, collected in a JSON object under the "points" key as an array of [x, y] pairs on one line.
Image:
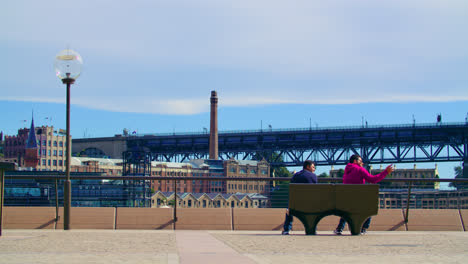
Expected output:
{"points": [[287, 226], [342, 224]]}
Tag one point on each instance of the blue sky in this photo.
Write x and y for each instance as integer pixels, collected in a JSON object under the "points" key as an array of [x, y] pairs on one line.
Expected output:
{"points": [[149, 66]]}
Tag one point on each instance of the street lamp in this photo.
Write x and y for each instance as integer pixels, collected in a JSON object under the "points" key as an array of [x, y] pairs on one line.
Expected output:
{"points": [[67, 66]]}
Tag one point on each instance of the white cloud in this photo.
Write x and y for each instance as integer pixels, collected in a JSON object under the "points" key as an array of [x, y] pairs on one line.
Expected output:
{"points": [[385, 51]]}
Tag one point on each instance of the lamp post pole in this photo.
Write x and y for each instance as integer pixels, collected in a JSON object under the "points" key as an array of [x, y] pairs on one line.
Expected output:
{"points": [[67, 185], [67, 66]]}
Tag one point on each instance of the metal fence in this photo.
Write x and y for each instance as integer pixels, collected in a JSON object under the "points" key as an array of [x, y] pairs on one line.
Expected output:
{"points": [[202, 192]]}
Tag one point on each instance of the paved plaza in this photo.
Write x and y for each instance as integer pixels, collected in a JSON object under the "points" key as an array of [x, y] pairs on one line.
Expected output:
{"points": [[184, 246]]}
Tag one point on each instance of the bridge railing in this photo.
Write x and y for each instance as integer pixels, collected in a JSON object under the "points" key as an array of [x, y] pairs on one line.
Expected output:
{"points": [[202, 192], [311, 128]]}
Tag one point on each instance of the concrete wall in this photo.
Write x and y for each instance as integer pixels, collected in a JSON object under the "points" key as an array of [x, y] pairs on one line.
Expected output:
{"points": [[435, 220], [220, 219], [144, 218], [89, 218], [204, 219], [259, 219], [388, 220], [28, 217]]}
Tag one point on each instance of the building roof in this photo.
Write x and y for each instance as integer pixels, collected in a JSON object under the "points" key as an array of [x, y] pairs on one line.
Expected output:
{"points": [[169, 164], [78, 161], [248, 162], [32, 143], [197, 163]]}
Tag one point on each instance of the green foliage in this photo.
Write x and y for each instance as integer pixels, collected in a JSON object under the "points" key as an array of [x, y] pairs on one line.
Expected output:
{"points": [[324, 175], [171, 202], [281, 172], [459, 175], [277, 170], [340, 173]]}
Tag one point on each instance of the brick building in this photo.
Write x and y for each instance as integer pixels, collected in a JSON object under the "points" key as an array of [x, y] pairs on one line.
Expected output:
{"points": [[50, 147], [212, 168]]}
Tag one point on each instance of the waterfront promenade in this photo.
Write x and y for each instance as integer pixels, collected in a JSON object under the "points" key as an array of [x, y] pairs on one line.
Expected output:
{"points": [[186, 246]]}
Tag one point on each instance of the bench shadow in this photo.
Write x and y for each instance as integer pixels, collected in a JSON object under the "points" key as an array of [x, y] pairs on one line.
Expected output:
{"points": [[46, 224], [278, 228], [165, 225], [402, 223], [279, 234]]}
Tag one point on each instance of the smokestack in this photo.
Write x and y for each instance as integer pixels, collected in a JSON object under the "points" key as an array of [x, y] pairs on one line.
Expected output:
{"points": [[214, 126]]}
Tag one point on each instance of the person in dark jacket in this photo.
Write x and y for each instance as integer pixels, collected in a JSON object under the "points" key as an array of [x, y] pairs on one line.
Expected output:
{"points": [[306, 175]]}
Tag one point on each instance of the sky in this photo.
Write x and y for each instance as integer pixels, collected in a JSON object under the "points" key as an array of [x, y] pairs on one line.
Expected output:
{"points": [[149, 66]]}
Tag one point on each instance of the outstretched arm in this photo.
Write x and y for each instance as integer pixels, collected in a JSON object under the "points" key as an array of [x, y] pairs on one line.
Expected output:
{"points": [[378, 177]]}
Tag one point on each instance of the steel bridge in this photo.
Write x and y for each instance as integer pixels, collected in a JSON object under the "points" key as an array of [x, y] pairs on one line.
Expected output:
{"points": [[436, 142]]}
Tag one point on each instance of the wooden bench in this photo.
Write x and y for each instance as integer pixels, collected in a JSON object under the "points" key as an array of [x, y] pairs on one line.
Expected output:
{"points": [[354, 202]]}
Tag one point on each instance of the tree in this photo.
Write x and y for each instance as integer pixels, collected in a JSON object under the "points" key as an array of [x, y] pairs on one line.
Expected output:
{"points": [[459, 175], [279, 171], [340, 173], [324, 175]]}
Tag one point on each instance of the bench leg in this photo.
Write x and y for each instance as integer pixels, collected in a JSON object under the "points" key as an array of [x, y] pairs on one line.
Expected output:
{"points": [[356, 223], [310, 224]]}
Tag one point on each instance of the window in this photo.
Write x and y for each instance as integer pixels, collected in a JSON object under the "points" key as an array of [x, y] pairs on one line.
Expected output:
{"points": [[50, 143], [48, 152], [44, 162], [60, 143], [55, 162], [60, 153], [44, 143], [55, 143], [60, 163], [55, 152], [232, 169], [243, 171], [252, 171], [48, 162], [44, 152]]}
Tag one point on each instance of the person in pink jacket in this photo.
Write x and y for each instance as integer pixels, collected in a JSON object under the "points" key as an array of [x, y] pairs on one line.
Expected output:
{"points": [[356, 174]]}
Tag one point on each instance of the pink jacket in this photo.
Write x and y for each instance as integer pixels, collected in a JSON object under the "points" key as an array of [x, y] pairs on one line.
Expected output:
{"points": [[355, 174]]}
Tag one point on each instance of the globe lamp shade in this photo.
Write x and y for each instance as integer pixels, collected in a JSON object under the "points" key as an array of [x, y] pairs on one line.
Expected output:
{"points": [[68, 64]]}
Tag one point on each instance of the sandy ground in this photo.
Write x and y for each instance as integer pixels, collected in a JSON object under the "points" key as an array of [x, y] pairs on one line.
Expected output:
{"points": [[166, 246]]}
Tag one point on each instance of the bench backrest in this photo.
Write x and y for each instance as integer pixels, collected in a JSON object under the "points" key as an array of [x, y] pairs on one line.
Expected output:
{"points": [[316, 198]]}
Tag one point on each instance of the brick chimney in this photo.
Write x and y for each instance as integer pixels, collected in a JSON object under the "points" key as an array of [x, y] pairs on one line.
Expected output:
{"points": [[214, 126]]}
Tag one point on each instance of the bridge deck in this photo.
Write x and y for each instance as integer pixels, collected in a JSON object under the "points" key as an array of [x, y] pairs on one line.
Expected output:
{"points": [[326, 146]]}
